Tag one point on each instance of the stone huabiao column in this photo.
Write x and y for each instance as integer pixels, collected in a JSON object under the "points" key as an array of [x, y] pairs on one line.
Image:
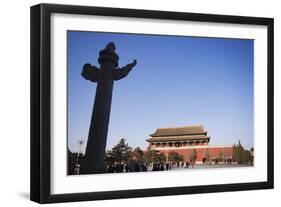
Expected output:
{"points": [[104, 77]]}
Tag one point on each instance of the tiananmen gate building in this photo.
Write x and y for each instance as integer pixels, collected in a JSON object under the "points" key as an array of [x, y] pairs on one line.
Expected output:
{"points": [[184, 140]]}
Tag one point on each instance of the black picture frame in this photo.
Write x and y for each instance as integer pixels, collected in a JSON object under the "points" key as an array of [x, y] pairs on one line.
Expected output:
{"points": [[41, 96]]}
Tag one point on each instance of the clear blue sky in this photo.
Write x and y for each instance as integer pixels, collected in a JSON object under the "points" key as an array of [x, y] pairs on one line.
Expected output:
{"points": [[178, 81]]}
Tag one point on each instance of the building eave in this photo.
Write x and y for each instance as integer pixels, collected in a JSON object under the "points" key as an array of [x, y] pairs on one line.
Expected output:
{"points": [[183, 138]]}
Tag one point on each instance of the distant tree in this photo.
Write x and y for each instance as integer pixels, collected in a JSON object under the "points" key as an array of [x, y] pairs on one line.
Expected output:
{"points": [[139, 154], [181, 158], [108, 158], [193, 156], [175, 157], [72, 160], [152, 156], [207, 155], [235, 156], [221, 156], [120, 152], [160, 157], [246, 157], [240, 155]]}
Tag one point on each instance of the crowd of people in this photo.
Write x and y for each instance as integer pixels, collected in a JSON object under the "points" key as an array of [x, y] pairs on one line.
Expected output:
{"points": [[138, 166], [169, 165], [119, 167]]}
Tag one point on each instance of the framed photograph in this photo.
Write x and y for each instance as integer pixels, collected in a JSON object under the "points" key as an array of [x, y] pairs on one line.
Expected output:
{"points": [[132, 103]]}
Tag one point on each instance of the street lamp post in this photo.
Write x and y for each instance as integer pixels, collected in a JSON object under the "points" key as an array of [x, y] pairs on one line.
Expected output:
{"points": [[77, 166]]}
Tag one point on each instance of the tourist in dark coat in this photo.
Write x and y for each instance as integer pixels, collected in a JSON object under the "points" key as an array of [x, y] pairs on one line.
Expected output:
{"points": [[167, 166]]}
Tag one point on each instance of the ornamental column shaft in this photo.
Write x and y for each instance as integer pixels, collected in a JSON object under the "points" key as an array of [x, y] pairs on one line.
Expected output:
{"points": [[104, 76]]}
